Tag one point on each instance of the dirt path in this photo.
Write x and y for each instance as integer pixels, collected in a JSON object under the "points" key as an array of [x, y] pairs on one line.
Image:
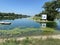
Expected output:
{"points": [[41, 37], [35, 37]]}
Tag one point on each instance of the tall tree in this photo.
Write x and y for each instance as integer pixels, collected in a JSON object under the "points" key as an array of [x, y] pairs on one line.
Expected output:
{"points": [[51, 9]]}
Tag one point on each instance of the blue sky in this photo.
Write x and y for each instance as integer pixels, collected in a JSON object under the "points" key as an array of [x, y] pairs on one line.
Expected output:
{"points": [[28, 7]]}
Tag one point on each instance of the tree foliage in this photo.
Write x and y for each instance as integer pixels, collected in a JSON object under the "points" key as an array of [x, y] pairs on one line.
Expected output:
{"points": [[51, 9], [12, 15]]}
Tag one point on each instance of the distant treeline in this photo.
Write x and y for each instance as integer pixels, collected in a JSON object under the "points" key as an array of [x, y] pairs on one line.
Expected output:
{"points": [[12, 15]]}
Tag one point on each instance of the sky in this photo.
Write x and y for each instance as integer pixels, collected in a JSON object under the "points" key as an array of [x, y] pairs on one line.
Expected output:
{"points": [[26, 7]]}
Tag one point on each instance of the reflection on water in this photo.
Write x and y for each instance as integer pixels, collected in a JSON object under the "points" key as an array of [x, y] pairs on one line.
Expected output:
{"points": [[26, 23], [43, 25], [19, 23], [49, 24]]}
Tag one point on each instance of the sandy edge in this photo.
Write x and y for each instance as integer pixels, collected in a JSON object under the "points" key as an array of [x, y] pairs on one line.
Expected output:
{"points": [[34, 37]]}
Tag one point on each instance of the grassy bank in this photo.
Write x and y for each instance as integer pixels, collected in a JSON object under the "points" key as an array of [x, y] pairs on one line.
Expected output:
{"points": [[39, 19], [27, 32], [27, 41]]}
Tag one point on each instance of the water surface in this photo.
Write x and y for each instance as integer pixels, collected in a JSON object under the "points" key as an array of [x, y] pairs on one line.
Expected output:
{"points": [[27, 23]]}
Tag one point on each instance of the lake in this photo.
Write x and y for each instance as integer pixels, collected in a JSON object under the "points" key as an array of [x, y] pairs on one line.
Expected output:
{"points": [[27, 23]]}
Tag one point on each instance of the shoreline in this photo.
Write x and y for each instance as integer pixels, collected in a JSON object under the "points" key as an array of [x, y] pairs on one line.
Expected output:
{"points": [[37, 19]]}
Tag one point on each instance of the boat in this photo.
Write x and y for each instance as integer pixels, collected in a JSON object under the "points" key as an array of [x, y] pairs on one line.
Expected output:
{"points": [[6, 23]]}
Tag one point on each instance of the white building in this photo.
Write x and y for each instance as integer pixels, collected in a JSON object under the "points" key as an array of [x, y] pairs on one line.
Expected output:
{"points": [[44, 17]]}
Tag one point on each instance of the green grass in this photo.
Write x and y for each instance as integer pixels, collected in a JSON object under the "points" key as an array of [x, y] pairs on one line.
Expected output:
{"points": [[27, 32], [27, 41], [36, 18], [39, 19]]}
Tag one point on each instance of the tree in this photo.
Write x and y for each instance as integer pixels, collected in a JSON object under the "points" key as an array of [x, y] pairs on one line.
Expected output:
{"points": [[51, 9]]}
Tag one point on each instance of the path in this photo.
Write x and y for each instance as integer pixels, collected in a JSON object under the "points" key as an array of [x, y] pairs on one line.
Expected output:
{"points": [[35, 37]]}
